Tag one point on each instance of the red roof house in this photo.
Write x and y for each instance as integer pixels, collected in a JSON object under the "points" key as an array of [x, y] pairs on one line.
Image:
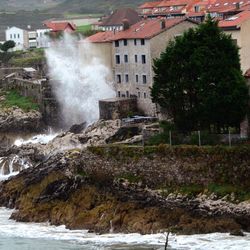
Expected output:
{"points": [[57, 27]]}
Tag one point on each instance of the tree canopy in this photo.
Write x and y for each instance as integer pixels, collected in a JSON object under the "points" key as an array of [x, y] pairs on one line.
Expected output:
{"points": [[7, 45], [199, 82]]}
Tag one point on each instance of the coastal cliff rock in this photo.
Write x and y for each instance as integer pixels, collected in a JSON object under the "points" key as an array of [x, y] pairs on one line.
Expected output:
{"points": [[135, 189], [15, 119]]}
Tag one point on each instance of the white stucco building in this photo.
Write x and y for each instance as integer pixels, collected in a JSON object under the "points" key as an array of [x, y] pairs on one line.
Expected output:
{"points": [[19, 36]]}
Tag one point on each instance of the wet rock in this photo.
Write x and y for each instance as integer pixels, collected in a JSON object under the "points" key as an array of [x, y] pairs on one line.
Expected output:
{"points": [[15, 119], [77, 128]]}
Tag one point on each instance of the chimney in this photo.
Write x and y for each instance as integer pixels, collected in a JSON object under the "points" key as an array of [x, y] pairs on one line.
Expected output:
{"points": [[162, 24], [125, 24], [237, 6]]}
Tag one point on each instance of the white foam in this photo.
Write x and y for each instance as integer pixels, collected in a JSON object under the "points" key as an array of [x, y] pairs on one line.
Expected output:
{"points": [[217, 241], [41, 138]]}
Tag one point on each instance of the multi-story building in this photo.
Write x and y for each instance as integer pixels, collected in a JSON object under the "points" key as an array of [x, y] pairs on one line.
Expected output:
{"points": [[132, 54]]}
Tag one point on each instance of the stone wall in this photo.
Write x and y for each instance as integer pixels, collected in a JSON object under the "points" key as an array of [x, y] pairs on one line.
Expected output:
{"points": [[111, 109]]}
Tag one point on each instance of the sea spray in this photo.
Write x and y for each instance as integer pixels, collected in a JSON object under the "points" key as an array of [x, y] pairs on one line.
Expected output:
{"points": [[79, 80]]}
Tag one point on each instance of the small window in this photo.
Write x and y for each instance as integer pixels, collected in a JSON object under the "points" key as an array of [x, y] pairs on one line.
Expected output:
{"points": [[142, 41], [135, 42], [14, 35], [126, 58], [145, 95], [136, 58], [18, 35], [116, 43], [143, 59], [144, 79], [119, 94], [118, 78], [139, 95], [126, 78], [10, 36], [137, 78], [125, 42], [127, 94], [117, 59]]}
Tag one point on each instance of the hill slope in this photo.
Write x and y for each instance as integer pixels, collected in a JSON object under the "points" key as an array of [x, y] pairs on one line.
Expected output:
{"points": [[95, 6], [70, 6]]}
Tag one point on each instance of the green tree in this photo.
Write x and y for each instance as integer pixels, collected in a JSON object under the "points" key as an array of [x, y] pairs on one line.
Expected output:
{"points": [[7, 45], [199, 82]]}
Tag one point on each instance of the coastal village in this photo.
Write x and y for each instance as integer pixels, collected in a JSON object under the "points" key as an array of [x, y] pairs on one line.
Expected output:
{"points": [[128, 40], [164, 151]]}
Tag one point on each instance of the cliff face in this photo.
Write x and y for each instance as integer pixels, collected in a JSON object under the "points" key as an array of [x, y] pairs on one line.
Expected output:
{"points": [[135, 189]]}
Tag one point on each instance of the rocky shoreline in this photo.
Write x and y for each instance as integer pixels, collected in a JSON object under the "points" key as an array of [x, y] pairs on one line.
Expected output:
{"points": [[127, 189]]}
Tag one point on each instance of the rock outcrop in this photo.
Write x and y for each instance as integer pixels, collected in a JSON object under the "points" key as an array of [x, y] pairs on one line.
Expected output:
{"points": [[16, 120], [115, 188]]}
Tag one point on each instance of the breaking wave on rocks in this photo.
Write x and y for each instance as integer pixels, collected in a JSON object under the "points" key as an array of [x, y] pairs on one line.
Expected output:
{"points": [[79, 80], [12, 165], [43, 235]]}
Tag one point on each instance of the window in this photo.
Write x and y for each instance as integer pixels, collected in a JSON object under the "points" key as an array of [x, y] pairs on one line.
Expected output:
{"points": [[135, 42], [234, 41], [139, 95], [14, 36], [136, 58], [196, 8], [126, 58], [145, 95], [126, 78], [18, 35], [10, 36], [119, 94], [116, 43], [142, 41], [117, 59], [137, 78], [144, 79], [127, 93], [125, 42], [118, 78], [143, 59]]}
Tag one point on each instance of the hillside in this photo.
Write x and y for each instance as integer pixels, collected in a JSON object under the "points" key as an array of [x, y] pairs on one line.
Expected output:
{"points": [[69, 6], [96, 6], [13, 5]]}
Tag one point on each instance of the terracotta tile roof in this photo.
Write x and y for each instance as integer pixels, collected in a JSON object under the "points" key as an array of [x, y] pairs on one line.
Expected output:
{"points": [[101, 37], [235, 21], [145, 29], [119, 15], [222, 6], [60, 26], [168, 3], [196, 14], [149, 5]]}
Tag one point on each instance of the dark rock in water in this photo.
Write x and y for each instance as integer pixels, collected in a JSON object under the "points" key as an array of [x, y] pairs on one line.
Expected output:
{"points": [[124, 133], [237, 233], [77, 128]]}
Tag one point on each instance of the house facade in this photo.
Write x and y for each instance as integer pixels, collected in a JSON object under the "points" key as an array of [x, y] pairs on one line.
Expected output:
{"points": [[19, 36], [132, 54], [238, 27]]}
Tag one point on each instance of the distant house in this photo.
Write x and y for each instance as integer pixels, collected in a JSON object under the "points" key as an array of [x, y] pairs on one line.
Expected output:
{"points": [[59, 27], [19, 36], [118, 19], [129, 55], [28, 37]]}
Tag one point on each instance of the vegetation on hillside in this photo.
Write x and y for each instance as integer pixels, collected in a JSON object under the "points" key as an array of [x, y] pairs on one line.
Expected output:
{"points": [[198, 80], [13, 98]]}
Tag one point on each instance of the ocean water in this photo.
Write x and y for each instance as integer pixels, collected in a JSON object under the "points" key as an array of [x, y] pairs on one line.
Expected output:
{"points": [[41, 236]]}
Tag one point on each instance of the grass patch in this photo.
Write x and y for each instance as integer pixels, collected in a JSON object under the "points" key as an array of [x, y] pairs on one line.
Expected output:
{"points": [[83, 28], [13, 98]]}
